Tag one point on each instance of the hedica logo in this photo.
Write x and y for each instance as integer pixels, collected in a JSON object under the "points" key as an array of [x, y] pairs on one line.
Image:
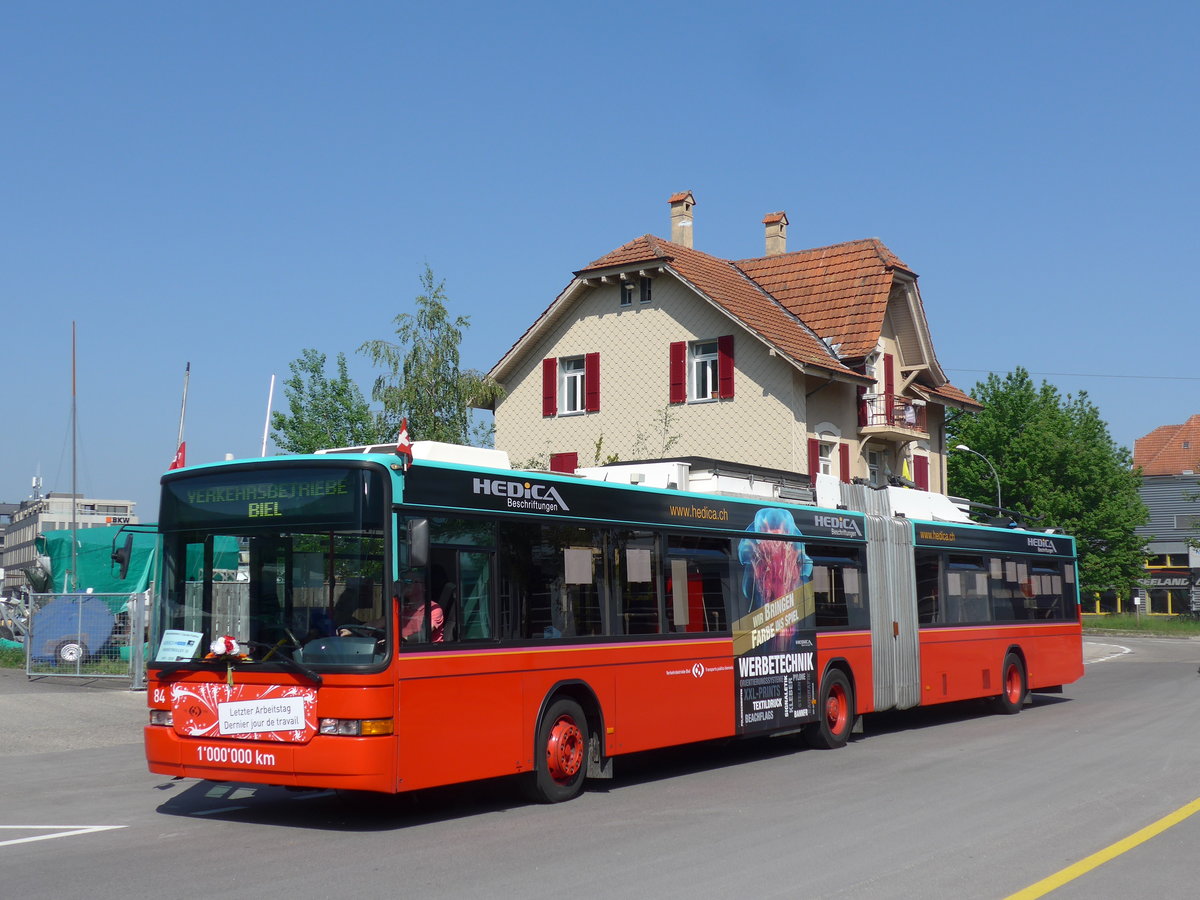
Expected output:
{"points": [[521, 494]]}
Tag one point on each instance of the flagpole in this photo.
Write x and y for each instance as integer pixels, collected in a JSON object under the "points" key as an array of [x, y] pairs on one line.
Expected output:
{"points": [[267, 424], [74, 494], [187, 373]]}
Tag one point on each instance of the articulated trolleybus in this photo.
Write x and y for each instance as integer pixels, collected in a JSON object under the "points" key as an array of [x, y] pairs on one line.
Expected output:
{"points": [[343, 620]]}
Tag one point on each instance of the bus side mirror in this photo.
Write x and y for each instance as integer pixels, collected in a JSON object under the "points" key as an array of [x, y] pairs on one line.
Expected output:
{"points": [[418, 542], [122, 556]]}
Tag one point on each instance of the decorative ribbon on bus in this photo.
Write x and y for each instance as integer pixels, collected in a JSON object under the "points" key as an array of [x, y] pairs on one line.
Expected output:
{"points": [[249, 712]]}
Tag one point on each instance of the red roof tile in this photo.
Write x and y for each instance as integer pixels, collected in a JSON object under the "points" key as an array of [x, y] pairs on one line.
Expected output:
{"points": [[726, 285], [1169, 449], [819, 306], [840, 292]]}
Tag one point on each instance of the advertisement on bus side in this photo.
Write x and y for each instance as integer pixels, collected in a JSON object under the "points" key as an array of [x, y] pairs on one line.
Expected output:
{"points": [[774, 642]]}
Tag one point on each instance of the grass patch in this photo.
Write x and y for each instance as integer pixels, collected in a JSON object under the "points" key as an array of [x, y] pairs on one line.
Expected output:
{"points": [[12, 657], [1162, 626]]}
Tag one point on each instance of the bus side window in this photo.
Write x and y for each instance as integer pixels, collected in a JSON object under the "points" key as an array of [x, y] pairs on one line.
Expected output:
{"points": [[928, 588], [698, 576], [636, 565]]}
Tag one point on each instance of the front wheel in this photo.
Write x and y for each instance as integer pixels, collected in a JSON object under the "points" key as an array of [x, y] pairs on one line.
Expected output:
{"points": [[835, 713], [560, 754], [1013, 685]]}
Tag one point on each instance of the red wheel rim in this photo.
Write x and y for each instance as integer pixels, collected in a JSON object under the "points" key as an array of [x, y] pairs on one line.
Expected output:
{"points": [[837, 710], [1012, 684], [564, 749]]}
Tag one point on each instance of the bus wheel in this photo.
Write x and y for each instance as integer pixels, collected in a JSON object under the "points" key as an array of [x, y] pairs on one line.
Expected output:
{"points": [[1012, 683], [835, 711], [560, 753]]}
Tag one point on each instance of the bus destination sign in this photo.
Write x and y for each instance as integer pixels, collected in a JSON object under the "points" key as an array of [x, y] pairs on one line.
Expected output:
{"points": [[302, 495]]}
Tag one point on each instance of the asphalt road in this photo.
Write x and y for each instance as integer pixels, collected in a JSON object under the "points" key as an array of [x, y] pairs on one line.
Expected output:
{"points": [[950, 802]]}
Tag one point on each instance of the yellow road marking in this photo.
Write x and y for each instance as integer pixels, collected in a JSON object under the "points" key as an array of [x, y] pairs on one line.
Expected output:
{"points": [[1071, 872]]}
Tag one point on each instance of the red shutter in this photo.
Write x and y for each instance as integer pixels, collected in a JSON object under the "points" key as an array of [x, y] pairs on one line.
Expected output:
{"points": [[725, 366], [844, 462], [921, 471], [889, 388], [814, 459], [678, 372], [591, 382], [564, 462], [550, 387], [863, 421]]}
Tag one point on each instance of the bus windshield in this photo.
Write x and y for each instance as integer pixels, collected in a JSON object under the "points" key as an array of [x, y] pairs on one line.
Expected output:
{"points": [[291, 566]]}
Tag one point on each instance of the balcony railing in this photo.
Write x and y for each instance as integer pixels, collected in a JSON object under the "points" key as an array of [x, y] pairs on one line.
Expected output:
{"points": [[894, 411]]}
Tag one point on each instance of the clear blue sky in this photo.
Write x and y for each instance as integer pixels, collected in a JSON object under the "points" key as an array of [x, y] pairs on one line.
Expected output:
{"points": [[229, 183]]}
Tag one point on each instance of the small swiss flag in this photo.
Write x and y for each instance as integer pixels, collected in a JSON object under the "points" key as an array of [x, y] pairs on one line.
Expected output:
{"points": [[404, 445], [180, 457]]}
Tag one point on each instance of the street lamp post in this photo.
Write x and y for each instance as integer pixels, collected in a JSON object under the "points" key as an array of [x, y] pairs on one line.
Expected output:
{"points": [[999, 505]]}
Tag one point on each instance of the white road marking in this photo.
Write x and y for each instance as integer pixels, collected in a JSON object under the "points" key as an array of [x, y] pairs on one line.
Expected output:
{"points": [[1119, 651], [57, 831]]}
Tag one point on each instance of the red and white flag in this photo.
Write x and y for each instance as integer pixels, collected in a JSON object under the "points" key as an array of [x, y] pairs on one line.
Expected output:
{"points": [[180, 457], [404, 445]]}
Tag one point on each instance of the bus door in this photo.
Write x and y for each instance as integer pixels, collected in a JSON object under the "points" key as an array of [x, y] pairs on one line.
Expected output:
{"points": [[895, 642]]}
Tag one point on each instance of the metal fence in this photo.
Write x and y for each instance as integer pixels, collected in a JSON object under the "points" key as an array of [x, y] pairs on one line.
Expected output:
{"points": [[87, 635]]}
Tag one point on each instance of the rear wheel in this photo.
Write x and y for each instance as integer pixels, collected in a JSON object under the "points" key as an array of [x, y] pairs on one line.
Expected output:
{"points": [[560, 753], [1012, 684], [835, 711]]}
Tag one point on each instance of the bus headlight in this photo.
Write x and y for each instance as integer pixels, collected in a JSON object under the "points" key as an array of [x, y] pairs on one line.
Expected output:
{"points": [[161, 717], [356, 727]]}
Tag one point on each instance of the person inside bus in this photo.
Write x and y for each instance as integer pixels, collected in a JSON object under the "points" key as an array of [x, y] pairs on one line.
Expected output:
{"points": [[412, 616]]}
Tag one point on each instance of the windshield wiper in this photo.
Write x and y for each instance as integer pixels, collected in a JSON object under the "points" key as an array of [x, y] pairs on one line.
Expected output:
{"points": [[295, 665]]}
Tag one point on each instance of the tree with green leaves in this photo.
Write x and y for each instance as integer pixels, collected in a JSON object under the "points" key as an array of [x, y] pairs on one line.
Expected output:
{"points": [[1057, 465], [323, 412], [423, 380]]}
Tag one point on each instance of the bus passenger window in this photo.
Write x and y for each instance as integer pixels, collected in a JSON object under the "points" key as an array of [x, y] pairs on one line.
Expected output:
{"points": [[1046, 586], [637, 567], [554, 576], [966, 590], [704, 565], [928, 584], [1008, 603], [837, 588]]}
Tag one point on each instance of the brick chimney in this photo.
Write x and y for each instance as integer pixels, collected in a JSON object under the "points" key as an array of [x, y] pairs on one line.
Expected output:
{"points": [[681, 218], [776, 227]]}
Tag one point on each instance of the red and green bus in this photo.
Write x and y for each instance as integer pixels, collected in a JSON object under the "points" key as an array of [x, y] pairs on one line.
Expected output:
{"points": [[386, 627]]}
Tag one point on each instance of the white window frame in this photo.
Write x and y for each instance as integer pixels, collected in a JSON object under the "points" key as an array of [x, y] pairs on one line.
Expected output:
{"points": [[571, 385], [876, 467], [703, 367], [825, 450]]}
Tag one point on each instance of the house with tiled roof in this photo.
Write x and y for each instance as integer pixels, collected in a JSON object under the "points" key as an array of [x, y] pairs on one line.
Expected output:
{"points": [[1169, 459], [802, 362]]}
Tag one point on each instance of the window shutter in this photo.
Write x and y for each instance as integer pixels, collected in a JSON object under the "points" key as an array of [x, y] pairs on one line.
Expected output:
{"points": [[889, 379], [550, 387], [591, 382], [844, 462], [564, 462], [921, 471], [725, 366], [814, 459], [863, 420], [678, 372]]}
